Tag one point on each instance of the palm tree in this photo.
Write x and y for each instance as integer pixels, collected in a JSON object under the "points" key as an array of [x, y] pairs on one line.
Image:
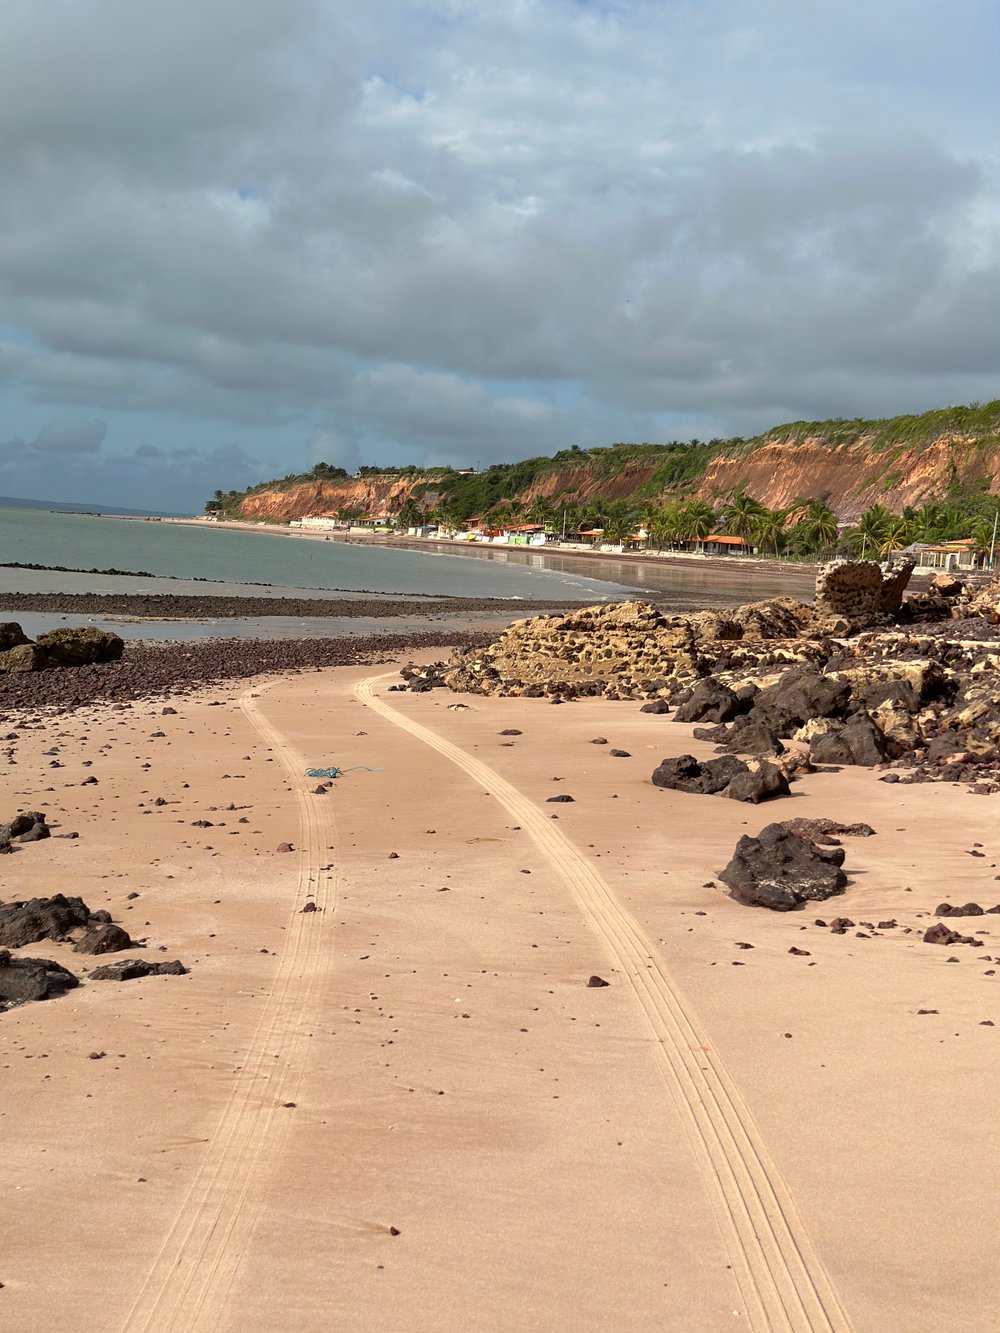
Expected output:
{"points": [[895, 536], [871, 528], [936, 522], [696, 520], [769, 529], [618, 527], [662, 523], [740, 515], [409, 513], [541, 510], [818, 525]]}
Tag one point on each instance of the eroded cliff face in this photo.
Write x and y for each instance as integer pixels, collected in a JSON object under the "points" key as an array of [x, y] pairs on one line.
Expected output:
{"points": [[852, 477], [778, 472], [579, 485], [377, 496]]}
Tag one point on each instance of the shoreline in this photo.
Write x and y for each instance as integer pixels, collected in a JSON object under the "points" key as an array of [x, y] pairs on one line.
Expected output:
{"points": [[149, 671], [362, 537]]}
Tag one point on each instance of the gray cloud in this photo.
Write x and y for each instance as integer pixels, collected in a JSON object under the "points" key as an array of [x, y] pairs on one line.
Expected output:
{"points": [[70, 437], [446, 231]]}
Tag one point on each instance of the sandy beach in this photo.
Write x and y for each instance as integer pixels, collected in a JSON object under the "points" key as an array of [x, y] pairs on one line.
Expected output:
{"points": [[407, 1109]]}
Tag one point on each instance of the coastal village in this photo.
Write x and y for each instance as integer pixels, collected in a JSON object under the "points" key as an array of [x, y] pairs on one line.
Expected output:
{"points": [[962, 553]]}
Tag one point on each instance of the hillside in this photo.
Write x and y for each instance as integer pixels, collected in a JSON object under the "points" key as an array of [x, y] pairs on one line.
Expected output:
{"points": [[896, 462]]}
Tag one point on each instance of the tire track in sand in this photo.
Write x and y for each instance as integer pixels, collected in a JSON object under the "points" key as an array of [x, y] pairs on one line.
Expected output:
{"points": [[782, 1280], [188, 1287]]}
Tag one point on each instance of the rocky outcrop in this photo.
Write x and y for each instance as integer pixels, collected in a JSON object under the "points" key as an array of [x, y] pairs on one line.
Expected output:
{"points": [[23, 980], [37, 919], [30, 826], [632, 650], [763, 681], [104, 938], [128, 969], [67, 647], [859, 594], [782, 870], [79, 646], [726, 776]]}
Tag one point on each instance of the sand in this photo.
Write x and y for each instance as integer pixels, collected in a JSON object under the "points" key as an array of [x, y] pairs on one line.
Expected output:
{"points": [[720, 1138]]}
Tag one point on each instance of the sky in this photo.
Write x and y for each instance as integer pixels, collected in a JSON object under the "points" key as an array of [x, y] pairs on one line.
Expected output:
{"points": [[241, 236]]}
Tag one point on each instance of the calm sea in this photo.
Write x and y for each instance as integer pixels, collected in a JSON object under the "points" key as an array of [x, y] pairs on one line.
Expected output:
{"points": [[177, 557], [78, 541]]}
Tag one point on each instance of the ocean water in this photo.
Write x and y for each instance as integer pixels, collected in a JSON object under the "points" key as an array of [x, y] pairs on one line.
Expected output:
{"points": [[235, 559]]}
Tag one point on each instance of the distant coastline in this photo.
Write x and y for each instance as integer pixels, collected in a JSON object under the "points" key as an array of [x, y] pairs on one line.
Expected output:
{"points": [[365, 537]]}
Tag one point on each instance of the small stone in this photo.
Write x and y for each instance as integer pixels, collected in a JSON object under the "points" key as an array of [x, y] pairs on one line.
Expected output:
{"points": [[596, 982]]}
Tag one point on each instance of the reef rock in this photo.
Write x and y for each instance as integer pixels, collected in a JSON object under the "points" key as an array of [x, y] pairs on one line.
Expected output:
{"points": [[859, 594]]}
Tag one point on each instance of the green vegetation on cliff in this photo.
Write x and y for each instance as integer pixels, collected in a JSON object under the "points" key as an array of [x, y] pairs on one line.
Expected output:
{"points": [[942, 494]]}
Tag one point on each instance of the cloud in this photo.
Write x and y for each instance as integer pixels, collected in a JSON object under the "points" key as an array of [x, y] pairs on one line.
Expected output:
{"points": [[442, 230], [70, 437]]}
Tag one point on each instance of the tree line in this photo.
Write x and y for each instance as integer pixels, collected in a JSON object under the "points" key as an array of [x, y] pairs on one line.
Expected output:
{"points": [[807, 527]]}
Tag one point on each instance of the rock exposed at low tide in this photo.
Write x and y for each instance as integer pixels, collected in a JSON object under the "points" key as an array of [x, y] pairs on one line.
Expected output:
{"points": [[65, 647]]}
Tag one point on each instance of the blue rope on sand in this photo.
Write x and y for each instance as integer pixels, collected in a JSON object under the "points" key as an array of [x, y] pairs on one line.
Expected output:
{"points": [[336, 772]]}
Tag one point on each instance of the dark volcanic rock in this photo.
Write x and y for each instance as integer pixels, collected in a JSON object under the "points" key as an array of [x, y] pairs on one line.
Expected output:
{"points": [[655, 706], [104, 939], [799, 696], [40, 919], [718, 734], [857, 741], [750, 735], [940, 934], [37, 832], [685, 773], [20, 825], [11, 636], [758, 784], [969, 909], [128, 969], [898, 692], [26, 979], [709, 701], [780, 870]]}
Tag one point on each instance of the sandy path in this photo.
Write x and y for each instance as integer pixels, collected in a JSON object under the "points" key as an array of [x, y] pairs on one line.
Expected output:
{"points": [[480, 1141], [190, 1282], [781, 1277]]}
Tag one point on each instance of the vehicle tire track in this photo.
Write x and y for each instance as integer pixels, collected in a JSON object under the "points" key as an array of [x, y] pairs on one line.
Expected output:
{"points": [[784, 1285], [189, 1284]]}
